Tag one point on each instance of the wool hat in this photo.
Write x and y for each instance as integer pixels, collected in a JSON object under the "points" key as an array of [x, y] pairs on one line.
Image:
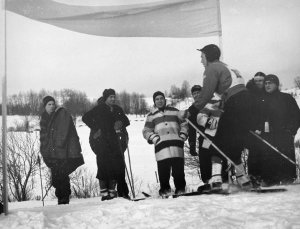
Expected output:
{"points": [[212, 52], [272, 78], [157, 93], [196, 88], [107, 93], [47, 99]]}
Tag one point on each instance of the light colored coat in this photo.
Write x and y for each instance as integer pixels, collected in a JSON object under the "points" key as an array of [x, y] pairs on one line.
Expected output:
{"points": [[171, 129]]}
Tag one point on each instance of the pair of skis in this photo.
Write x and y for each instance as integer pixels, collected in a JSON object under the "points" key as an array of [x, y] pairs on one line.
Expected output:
{"points": [[205, 190]]}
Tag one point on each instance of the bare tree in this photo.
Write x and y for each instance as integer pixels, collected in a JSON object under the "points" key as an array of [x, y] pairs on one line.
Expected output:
{"points": [[23, 149], [185, 89]]}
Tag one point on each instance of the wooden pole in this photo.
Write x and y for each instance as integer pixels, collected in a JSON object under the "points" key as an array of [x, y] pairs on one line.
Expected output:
{"points": [[4, 120]]}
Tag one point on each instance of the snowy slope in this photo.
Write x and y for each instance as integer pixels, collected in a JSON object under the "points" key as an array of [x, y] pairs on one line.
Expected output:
{"points": [[241, 210]]}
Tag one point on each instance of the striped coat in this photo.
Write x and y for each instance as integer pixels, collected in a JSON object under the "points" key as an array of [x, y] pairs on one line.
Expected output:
{"points": [[172, 130]]}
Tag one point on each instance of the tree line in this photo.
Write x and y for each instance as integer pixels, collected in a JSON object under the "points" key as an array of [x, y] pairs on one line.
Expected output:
{"points": [[76, 102]]}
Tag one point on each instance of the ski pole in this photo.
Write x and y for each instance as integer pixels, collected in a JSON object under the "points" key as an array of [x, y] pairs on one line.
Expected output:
{"points": [[216, 147], [274, 148], [39, 162], [126, 170], [47, 192], [129, 161]]}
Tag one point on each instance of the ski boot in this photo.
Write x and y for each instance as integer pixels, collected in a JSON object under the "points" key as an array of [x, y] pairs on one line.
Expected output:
{"points": [[165, 193]]}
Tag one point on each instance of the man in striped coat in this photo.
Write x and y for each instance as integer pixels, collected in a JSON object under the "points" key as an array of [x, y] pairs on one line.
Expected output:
{"points": [[166, 129]]}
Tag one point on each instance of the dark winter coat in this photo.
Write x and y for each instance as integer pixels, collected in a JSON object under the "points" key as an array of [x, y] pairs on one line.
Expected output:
{"points": [[259, 103], [283, 115], [60, 146], [107, 147]]}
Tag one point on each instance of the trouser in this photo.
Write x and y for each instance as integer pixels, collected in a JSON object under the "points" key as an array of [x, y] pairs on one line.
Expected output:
{"points": [[61, 183], [107, 186], [122, 187], [176, 165]]}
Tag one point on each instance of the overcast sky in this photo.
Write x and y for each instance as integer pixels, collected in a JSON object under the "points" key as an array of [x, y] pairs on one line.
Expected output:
{"points": [[258, 35]]}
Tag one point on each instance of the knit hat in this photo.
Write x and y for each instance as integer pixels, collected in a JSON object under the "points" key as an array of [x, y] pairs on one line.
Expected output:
{"points": [[196, 88], [47, 99], [212, 52], [272, 78], [157, 93], [107, 93]]}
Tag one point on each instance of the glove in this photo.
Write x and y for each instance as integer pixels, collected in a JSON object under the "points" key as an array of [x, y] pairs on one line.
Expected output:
{"points": [[156, 139], [193, 151], [258, 132], [182, 136], [213, 123], [202, 119], [118, 125]]}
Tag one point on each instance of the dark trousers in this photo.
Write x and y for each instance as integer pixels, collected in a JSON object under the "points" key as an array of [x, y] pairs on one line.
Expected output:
{"points": [[122, 187], [61, 183], [176, 165]]}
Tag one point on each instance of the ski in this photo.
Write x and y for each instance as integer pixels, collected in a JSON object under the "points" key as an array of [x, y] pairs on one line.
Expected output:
{"points": [[268, 190], [147, 196], [205, 190]]}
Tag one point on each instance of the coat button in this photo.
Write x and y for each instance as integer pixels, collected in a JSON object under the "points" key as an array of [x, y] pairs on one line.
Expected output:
{"points": [[166, 123]]}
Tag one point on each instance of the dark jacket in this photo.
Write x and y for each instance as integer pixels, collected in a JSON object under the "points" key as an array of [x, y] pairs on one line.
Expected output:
{"points": [[100, 117], [259, 104], [59, 140], [107, 146], [283, 115]]}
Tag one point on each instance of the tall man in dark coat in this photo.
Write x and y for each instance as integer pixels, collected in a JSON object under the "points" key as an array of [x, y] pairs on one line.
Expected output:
{"points": [[256, 87], [108, 140], [281, 120]]}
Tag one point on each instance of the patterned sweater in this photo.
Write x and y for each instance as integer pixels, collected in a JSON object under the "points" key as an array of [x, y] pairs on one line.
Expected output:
{"points": [[171, 129]]}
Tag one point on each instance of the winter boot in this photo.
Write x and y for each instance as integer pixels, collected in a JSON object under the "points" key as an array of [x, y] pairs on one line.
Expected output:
{"points": [[63, 200], [243, 179], [112, 189], [165, 193], [216, 179], [179, 191]]}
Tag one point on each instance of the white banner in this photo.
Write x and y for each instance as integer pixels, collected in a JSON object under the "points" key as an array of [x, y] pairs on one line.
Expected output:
{"points": [[168, 18]]}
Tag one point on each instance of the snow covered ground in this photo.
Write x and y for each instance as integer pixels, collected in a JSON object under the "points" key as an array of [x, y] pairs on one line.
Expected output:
{"points": [[240, 210]]}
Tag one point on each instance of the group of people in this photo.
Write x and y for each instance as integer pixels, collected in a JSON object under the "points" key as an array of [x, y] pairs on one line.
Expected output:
{"points": [[225, 110], [61, 151]]}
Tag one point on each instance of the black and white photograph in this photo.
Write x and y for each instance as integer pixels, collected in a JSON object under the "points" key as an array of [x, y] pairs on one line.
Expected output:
{"points": [[150, 114]]}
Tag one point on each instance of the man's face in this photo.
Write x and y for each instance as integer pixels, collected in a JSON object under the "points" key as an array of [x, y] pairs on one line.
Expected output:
{"points": [[270, 86], [160, 101], [203, 59], [111, 100], [259, 82], [50, 107], [195, 94]]}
